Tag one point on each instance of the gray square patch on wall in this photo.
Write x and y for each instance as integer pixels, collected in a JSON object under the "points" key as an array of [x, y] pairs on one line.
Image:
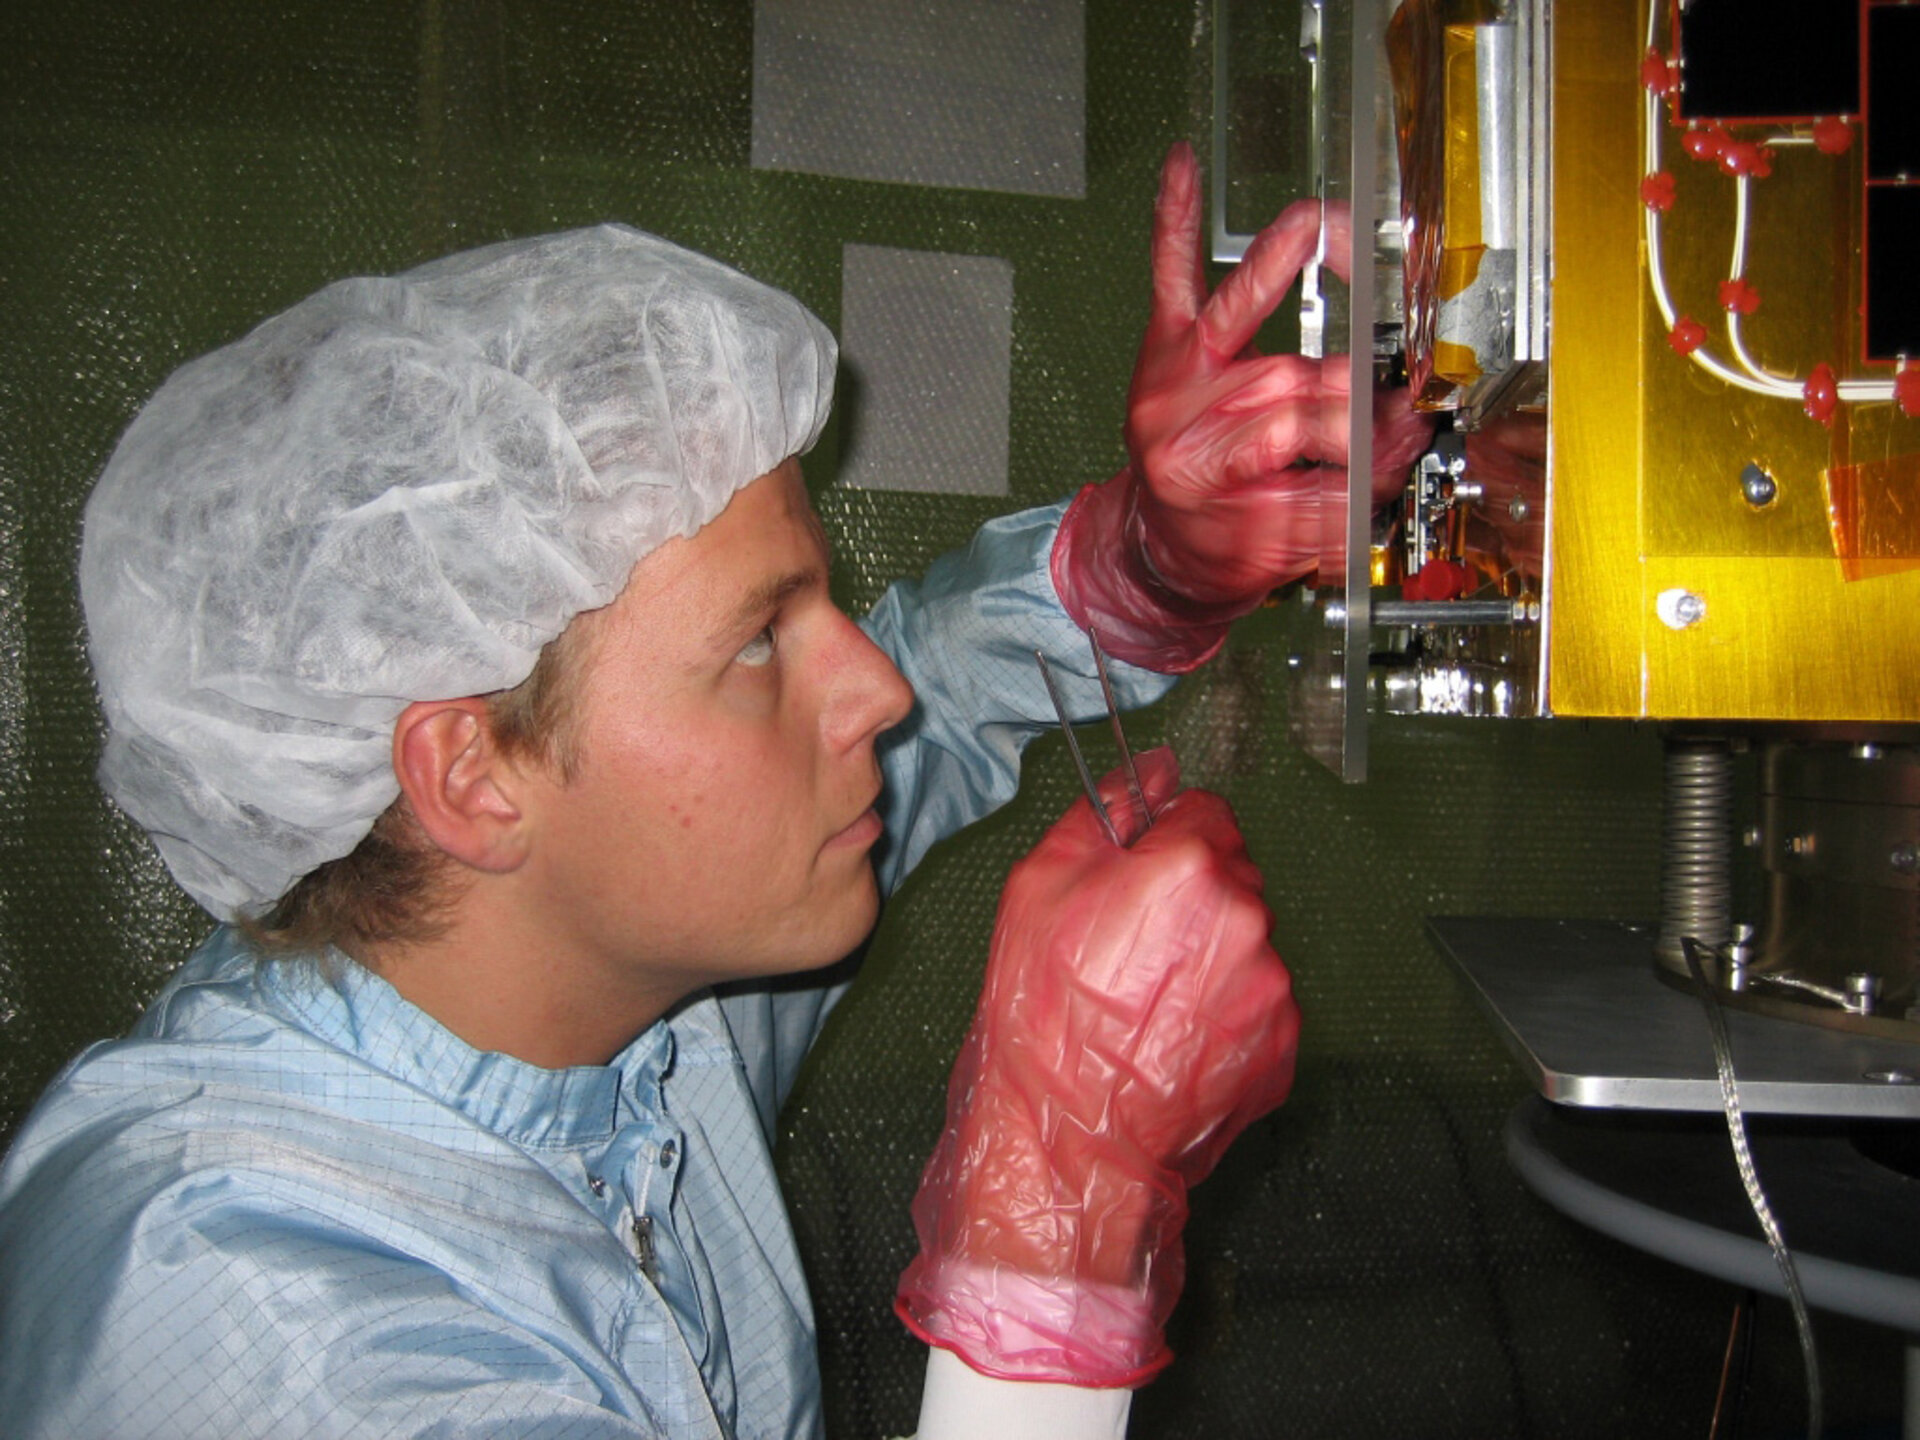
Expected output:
{"points": [[970, 94], [926, 343]]}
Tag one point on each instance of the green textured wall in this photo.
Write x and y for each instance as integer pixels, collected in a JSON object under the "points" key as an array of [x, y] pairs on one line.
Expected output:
{"points": [[1365, 1264]]}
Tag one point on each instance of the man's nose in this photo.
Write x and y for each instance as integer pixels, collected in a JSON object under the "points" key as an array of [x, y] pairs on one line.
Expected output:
{"points": [[870, 694]]}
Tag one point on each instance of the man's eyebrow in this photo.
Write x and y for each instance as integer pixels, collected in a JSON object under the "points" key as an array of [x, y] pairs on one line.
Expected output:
{"points": [[767, 596]]}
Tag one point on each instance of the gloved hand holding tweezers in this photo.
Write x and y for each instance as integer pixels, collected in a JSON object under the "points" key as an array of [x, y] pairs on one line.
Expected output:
{"points": [[1138, 815], [1133, 1021]]}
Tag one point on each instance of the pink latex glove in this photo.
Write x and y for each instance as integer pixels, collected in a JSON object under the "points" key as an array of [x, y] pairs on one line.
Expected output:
{"points": [[1236, 477], [1134, 1020]]}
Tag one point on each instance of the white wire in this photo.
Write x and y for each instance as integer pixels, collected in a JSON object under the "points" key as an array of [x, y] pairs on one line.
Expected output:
{"points": [[1782, 385], [1755, 381]]}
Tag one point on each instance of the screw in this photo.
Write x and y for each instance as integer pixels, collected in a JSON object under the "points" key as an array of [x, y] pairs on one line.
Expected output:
{"points": [[1758, 486], [1905, 859], [1679, 609]]}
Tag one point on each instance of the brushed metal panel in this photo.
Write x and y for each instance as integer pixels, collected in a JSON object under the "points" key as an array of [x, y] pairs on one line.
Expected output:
{"points": [[1595, 586]]}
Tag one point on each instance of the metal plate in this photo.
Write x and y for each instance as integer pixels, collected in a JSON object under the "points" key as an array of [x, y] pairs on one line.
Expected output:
{"points": [[1579, 1004]]}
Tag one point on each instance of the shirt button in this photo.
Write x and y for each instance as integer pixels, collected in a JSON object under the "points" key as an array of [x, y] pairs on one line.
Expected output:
{"points": [[596, 1184], [669, 1152]]}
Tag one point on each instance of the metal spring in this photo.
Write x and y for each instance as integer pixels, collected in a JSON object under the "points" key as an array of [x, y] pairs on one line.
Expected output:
{"points": [[1696, 850]]}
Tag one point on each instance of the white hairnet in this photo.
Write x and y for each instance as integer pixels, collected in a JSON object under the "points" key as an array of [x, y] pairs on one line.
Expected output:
{"points": [[399, 490]]}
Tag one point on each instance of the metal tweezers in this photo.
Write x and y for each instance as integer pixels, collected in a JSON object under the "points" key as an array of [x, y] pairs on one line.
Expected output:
{"points": [[1134, 791]]}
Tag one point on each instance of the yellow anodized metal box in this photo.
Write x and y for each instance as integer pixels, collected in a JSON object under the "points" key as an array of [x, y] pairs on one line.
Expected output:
{"points": [[1808, 607]]}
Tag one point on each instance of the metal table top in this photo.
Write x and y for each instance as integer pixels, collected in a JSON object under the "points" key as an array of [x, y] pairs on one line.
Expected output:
{"points": [[1580, 1006]]}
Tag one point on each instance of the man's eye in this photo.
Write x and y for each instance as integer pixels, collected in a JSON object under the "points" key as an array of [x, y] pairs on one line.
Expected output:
{"points": [[759, 650]]}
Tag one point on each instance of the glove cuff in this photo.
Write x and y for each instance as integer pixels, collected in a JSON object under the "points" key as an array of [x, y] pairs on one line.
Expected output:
{"points": [[1016, 1326], [1105, 580]]}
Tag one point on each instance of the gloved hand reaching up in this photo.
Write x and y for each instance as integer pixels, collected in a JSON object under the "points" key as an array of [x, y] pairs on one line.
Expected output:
{"points": [[1237, 462], [1134, 1020]]}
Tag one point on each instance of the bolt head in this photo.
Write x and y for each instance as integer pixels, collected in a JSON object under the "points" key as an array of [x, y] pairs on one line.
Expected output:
{"points": [[1758, 487], [1679, 609]]}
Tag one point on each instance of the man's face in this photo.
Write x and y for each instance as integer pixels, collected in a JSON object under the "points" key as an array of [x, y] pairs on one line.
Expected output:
{"points": [[719, 819]]}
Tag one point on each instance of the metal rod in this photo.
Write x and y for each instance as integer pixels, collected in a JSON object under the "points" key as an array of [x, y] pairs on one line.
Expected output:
{"points": [[1120, 735], [1073, 748], [1442, 612]]}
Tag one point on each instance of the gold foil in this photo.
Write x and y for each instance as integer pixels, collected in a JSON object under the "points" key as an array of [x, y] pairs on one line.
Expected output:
{"points": [[1873, 510], [1430, 51]]}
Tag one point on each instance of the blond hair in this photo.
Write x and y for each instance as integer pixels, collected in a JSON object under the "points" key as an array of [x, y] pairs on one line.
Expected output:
{"points": [[395, 886]]}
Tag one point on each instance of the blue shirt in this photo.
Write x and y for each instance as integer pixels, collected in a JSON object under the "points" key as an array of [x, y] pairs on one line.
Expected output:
{"points": [[292, 1204]]}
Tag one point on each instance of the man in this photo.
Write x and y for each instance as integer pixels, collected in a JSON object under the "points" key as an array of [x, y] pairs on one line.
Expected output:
{"points": [[464, 638]]}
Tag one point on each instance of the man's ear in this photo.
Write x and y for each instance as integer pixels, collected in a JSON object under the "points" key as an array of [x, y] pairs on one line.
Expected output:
{"points": [[462, 787]]}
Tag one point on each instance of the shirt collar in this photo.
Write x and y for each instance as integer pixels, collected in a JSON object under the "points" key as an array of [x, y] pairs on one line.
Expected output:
{"points": [[347, 1006]]}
